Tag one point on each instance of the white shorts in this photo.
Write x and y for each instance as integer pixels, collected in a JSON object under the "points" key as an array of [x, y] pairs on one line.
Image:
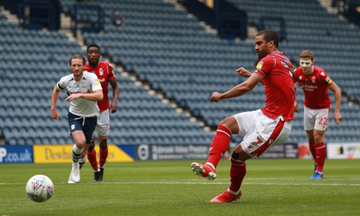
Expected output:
{"points": [[317, 119], [103, 123], [261, 132]]}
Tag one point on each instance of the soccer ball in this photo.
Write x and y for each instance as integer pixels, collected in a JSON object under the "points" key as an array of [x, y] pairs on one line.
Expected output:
{"points": [[39, 188]]}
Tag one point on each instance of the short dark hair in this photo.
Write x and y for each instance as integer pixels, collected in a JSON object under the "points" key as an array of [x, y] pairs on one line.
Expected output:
{"points": [[77, 56], [92, 45], [270, 35]]}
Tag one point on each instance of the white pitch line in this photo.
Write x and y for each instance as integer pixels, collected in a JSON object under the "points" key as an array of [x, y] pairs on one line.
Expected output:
{"points": [[201, 183]]}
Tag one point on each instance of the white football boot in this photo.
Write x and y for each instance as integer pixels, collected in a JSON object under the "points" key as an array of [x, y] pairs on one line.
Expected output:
{"points": [[75, 173]]}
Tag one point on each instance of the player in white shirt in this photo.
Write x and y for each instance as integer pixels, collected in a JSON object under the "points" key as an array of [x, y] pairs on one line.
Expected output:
{"points": [[84, 91]]}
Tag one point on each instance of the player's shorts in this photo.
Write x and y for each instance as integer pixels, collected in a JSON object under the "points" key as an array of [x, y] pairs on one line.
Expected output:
{"points": [[261, 132], [85, 124], [103, 123], [317, 119]]}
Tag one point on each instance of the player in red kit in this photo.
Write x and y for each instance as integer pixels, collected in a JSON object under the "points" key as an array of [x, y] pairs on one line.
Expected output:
{"points": [[315, 83], [261, 128], [105, 74]]}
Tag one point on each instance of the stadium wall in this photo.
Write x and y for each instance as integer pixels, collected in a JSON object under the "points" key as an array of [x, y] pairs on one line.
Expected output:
{"points": [[46, 154]]}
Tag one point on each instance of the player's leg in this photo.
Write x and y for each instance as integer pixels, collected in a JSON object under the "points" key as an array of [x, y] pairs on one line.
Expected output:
{"points": [[320, 149], [83, 156], [241, 124], [79, 139], [311, 140], [321, 124], [103, 148], [76, 131], [89, 128], [103, 132], [218, 147], [309, 124], [237, 174], [267, 133], [91, 154]]}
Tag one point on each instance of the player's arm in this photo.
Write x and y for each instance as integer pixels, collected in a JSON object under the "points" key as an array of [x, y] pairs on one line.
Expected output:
{"points": [[337, 92], [238, 90], [54, 99], [95, 96], [116, 93], [244, 73]]}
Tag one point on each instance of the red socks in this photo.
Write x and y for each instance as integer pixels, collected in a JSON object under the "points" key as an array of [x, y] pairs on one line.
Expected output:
{"points": [[103, 156], [320, 156], [219, 145], [312, 150], [237, 174], [91, 155]]}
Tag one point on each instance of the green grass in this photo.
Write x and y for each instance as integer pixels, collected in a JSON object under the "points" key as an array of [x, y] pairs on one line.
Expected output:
{"points": [[271, 187]]}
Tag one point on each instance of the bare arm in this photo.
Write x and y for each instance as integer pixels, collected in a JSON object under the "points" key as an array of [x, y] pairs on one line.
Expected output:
{"points": [[95, 96], [337, 92], [54, 98], [116, 93], [244, 73], [238, 90]]}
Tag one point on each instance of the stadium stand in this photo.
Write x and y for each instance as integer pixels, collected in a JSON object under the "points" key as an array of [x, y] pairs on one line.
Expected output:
{"points": [[170, 50], [38, 59], [188, 64]]}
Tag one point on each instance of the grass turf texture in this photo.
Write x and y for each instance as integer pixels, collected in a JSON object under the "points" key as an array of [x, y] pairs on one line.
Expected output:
{"points": [[271, 187]]}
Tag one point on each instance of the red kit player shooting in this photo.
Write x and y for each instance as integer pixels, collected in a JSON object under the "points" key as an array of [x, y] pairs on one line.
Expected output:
{"points": [[261, 128]]}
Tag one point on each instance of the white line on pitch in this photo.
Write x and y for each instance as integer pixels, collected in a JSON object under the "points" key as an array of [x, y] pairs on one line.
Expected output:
{"points": [[203, 183]]}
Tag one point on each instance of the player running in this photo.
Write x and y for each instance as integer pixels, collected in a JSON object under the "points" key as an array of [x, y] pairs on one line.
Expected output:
{"points": [[105, 73], [84, 90], [315, 83]]}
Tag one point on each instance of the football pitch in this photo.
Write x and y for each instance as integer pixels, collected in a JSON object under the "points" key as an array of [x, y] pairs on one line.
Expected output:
{"points": [[271, 187]]}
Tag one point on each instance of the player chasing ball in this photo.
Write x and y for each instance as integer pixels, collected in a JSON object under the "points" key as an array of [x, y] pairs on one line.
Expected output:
{"points": [[84, 90], [106, 74]]}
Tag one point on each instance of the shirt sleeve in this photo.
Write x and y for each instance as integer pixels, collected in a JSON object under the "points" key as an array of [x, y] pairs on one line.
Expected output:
{"points": [[264, 66], [95, 84], [325, 79], [61, 84], [111, 72], [295, 76]]}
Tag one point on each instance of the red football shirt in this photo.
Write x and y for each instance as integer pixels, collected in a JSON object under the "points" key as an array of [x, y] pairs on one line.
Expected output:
{"points": [[105, 72], [278, 86], [315, 87]]}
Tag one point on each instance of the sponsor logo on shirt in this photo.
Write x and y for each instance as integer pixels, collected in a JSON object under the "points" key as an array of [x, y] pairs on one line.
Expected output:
{"points": [[309, 87], [259, 65]]}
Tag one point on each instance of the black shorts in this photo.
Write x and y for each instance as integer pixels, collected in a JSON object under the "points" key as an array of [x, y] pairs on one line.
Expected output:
{"points": [[85, 124]]}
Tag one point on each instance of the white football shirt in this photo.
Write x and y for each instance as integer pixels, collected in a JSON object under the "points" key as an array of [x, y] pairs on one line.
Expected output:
{"points": [[88, 84]]}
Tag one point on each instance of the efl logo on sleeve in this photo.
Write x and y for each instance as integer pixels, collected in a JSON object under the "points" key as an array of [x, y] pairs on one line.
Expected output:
{"points": [[259, 65]]}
